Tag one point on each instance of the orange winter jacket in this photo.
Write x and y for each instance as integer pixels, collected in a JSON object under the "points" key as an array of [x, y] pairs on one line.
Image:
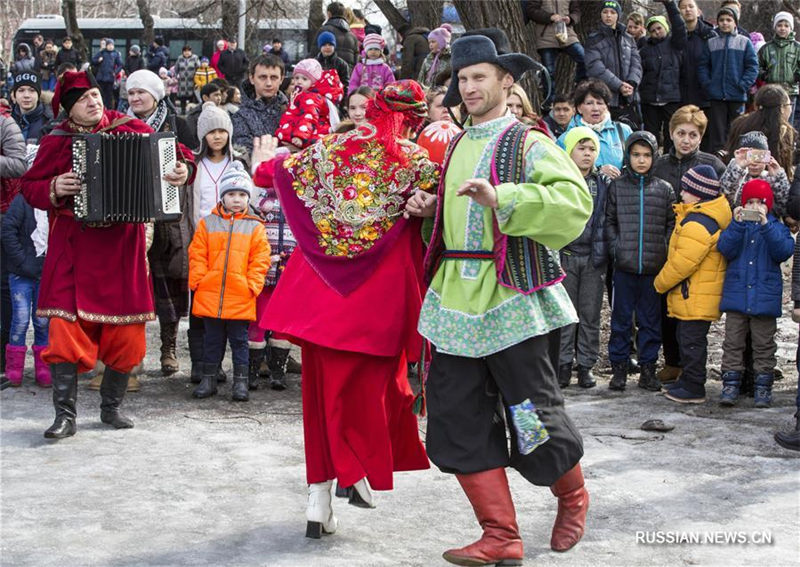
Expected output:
{"points": [[228, 262]]}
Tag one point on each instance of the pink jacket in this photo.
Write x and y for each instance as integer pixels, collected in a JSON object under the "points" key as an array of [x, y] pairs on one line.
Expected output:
{"points": [[372, 73]]}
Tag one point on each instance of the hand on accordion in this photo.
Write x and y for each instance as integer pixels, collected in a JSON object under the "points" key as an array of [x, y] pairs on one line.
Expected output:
{"points": [[67, 184], [179, 175]]}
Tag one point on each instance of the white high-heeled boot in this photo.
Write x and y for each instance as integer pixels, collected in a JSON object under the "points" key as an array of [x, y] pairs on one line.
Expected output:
{"points": [[319, 512], [361, 495]]}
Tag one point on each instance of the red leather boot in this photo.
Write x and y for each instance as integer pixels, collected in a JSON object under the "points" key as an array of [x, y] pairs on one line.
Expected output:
{"points": [[500, 543], [573, 503]]}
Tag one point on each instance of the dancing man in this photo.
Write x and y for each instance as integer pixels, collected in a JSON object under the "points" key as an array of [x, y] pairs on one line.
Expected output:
{"points": [[508, 200]]}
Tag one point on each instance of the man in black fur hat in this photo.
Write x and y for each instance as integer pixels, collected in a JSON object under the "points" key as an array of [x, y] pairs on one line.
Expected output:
{"points": [[508, 200]]}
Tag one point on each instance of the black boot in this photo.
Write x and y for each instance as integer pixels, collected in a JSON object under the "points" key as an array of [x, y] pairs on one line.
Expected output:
{"points": [[195, 337], [647, 378], [65, 391], [256, 356], [112, 391], [239, 392], [585, 377], [620, 376], [208, 381], [277, 367], [564, 375], [790, 439]]}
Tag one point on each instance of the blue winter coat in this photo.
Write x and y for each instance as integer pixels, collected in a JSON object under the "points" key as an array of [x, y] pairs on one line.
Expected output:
{"points": [[157, 58], [728, 67], [108, 68], [18, 225], [753, 281], [611, 55], [612, 141], [33, 123]]}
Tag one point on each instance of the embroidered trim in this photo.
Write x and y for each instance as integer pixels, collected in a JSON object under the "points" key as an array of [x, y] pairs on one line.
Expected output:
{"points": [[81, 129], [60, 313], [116, 319]]}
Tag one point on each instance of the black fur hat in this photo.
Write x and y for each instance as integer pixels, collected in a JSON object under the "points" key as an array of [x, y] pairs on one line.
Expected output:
{"points": [[475, 49]]}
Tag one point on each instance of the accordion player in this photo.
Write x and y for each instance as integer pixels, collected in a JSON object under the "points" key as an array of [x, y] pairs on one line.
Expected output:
{"points": [[121, 178]]}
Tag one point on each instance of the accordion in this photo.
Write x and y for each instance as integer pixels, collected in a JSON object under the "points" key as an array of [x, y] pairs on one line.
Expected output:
{"points": [[122, 177]]}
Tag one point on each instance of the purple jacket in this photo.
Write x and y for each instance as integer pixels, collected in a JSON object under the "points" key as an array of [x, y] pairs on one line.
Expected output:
{"points": [[373, 75]]}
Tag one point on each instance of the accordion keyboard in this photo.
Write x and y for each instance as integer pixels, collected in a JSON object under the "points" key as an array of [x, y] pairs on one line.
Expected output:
{"points": [[170, 200]]}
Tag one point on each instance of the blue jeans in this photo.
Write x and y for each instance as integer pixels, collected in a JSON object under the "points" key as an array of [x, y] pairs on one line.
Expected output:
{"points": [[549, 56], [49, 84], [24, 297], [634, 293]]}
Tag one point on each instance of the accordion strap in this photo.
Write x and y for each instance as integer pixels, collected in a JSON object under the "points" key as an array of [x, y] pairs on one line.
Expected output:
{"points": [[116, 124]]}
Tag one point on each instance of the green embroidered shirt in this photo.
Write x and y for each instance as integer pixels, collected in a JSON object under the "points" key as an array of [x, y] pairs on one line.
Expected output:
{"points": [[466, 312]]}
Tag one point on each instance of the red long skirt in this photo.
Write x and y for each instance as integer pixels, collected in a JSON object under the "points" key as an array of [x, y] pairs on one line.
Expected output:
{"points": [[357, 418]]}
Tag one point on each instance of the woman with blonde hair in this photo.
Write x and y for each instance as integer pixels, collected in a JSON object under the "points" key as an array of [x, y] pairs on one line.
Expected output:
{"points": [[520, 106]]}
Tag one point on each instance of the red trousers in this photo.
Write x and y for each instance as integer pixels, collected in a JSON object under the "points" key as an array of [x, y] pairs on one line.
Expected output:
{"points": [[120, 347], [357, 418]]}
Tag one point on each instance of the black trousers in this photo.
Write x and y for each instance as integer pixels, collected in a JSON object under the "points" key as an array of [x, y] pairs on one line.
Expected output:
{"points": [[669, 336], [467, 433], [693, 340], [220, 331], [656, 121], [721, 115]]}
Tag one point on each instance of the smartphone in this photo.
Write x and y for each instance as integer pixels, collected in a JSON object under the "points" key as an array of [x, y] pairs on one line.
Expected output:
{"points": [[758, 156], [749, 215]]}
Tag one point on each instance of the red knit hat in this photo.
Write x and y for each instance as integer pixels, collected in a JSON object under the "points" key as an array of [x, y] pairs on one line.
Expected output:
{"points": [[70, 88], [757, 189]]}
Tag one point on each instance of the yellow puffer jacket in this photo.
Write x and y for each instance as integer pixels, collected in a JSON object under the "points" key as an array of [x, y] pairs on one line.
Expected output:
{"points": [[695, 270], [228, 262]]}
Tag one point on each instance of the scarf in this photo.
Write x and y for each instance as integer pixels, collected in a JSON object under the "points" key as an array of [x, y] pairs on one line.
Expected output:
{"points": [[600, 126], [434, 65], [157, 118], [39, 235]]}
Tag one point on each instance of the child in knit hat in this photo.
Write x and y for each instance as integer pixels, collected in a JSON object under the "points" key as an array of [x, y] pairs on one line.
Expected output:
{"points": [[693, 275], [438, 60], [228, 260], [753, 160], [372, 71], [326, 43], [779, 59], [312, 109], [754, 244]]}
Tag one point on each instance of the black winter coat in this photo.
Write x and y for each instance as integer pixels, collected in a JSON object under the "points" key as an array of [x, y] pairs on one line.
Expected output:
{"points": [[415, 49], [611, 56], [20, 253], [594, 241], [134, 63], [157, 58], [671, 169], [70, 55], [233, 64], [639, 222], [692, 91], [339, 65], [662, 60]]}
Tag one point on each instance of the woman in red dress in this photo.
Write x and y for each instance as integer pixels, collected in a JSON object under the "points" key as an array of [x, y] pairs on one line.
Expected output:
{"points": [[351, 295]]}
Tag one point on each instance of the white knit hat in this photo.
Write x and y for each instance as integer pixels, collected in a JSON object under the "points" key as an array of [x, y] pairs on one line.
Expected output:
{"points": [[213, 118], [147, 81], [235, 178], [783, 17]]}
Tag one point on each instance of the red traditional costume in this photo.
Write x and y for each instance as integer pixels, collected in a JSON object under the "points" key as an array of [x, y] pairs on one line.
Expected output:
{"points": [[95, 283], [351, 294]]}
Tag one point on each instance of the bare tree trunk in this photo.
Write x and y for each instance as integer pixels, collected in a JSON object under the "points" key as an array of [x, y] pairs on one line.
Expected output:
{"points": [[506, 15], [396, 19], [68, 10], [148, 35], [425, 13], [230, 18], [316, 18]]}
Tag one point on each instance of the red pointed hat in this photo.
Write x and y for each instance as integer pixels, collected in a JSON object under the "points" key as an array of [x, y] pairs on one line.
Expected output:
{"points": [[70, 88]]}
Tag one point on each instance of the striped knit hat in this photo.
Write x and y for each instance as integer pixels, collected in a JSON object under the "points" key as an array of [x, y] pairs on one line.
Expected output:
{"points": [[235, 178], [701, 181]]}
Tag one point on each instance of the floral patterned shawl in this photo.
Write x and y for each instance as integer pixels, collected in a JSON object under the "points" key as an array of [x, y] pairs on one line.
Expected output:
{"points": [[344, 199]]}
